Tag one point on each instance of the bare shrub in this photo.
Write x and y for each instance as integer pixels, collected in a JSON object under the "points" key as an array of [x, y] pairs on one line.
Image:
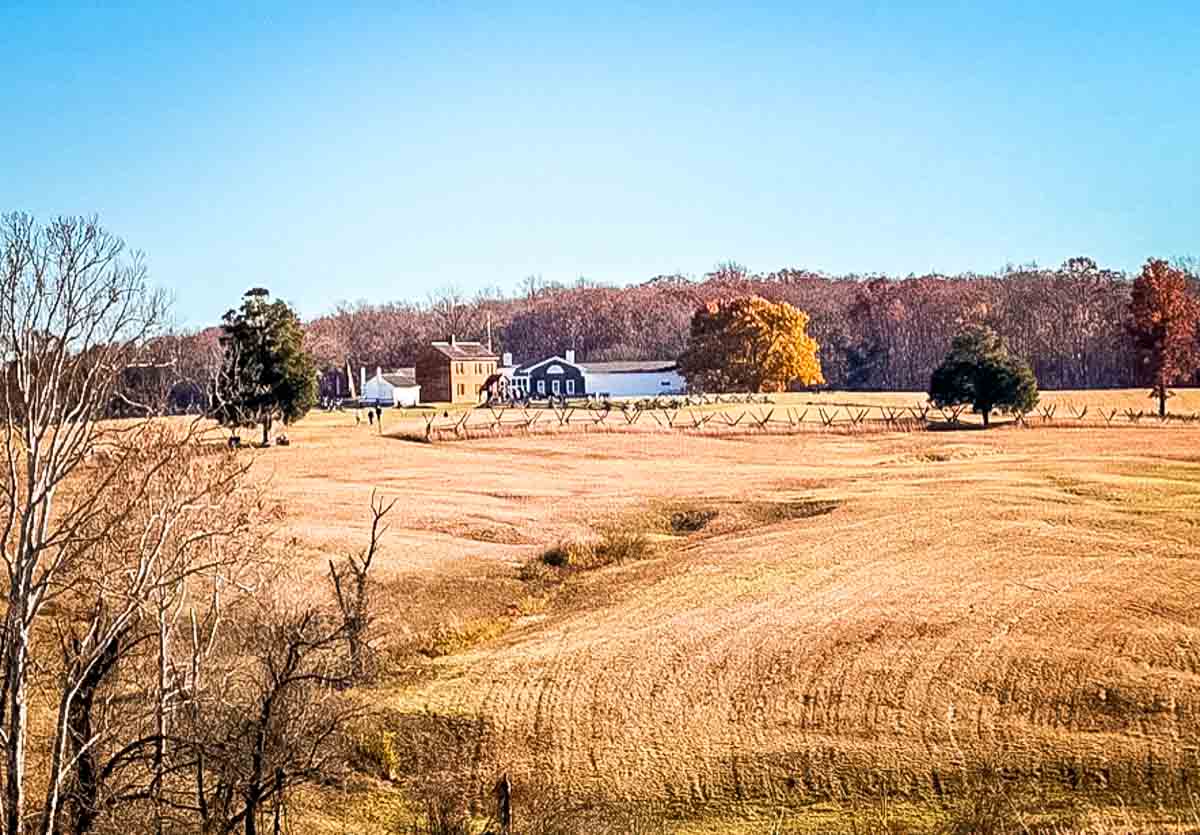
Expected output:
{"points": [[443, 812], [621, 542], [691, 520], [373, 751], [567, 555], [538, 571], [618, 542], [353, 586]]}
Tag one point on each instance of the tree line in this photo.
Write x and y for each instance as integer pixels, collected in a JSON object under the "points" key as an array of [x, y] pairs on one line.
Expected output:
{"points": [[1071, 324], [747, 343], [875, 332]]}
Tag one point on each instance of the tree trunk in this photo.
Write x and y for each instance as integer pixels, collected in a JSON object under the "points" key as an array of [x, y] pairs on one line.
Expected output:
{"points": [[987, 415], [278, 801], [266, 431], [160, 720], [1162, 401], [14, 806], [84, 794], [354, 640], [257, 761]]}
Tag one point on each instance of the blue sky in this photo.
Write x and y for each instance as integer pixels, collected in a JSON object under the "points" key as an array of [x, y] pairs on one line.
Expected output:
{"points": [[358, 152]]}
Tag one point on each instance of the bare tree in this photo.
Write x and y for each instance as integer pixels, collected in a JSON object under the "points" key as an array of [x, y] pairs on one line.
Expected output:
{"points": [[279, 720], [75, 311], [137, 621], [352, 588], [453, 314]]}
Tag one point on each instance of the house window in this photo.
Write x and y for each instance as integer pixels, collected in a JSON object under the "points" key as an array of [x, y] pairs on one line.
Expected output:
{"points": [[570, 386], [462, 389], [554, 385], [542, 387]]}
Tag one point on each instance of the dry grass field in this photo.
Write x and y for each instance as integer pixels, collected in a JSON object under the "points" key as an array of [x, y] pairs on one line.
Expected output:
{"points": [[831, 630]]}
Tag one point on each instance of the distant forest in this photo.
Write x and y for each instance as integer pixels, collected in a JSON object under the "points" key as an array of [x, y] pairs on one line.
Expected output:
{"points": [[875, 332]]}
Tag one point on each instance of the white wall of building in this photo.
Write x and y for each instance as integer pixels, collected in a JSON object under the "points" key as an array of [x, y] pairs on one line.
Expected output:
{"points": [[406, 395], [635, 384], [379, 390]]}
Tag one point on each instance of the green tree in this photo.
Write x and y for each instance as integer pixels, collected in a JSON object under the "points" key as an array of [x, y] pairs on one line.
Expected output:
{"points": [[980, 372], [266, 373]]}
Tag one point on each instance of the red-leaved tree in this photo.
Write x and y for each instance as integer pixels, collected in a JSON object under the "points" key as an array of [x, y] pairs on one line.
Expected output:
{"points": [[1163, 326]]}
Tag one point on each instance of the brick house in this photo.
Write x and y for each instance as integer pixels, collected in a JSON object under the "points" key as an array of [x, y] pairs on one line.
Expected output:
{"points": [[454, 371]]}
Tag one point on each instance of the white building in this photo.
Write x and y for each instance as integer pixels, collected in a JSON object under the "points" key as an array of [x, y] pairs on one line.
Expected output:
{"points": [[562, 376], [636, 378], [395, 388]]}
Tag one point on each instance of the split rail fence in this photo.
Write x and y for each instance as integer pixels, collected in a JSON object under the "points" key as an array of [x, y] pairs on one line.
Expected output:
{"points": [[758, 415]]}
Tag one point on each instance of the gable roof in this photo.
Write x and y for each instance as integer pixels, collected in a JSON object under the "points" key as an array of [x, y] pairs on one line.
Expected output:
{"points": [[401, 379], [529, 366], [631, 367], [464, 350], [398, 377]]}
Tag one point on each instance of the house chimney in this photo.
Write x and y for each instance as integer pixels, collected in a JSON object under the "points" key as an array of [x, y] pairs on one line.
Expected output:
{"points": [[489, 331], [362, 376], [506, 360], [378, 371], [453, 339], [570, 357]]}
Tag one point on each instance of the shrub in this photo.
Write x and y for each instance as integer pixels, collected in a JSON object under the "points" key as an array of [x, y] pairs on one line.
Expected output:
{"points": [[374, 751], [691, 519], [621, 542], [567, 555], [444, 811], [536, 571]]}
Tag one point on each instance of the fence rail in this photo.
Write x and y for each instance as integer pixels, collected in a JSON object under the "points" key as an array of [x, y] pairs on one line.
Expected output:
{"points": [[687, 415]]}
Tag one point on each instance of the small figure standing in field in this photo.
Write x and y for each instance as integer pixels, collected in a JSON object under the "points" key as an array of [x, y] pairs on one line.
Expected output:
{"points": [[379, 415], [357, 416], [371, 417]]}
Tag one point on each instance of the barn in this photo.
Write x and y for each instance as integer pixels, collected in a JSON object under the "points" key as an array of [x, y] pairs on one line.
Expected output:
{"points": [[393, 388], [635, 378]]}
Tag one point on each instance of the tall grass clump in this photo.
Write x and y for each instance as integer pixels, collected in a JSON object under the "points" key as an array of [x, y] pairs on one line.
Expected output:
{"points": [[621, 542]]}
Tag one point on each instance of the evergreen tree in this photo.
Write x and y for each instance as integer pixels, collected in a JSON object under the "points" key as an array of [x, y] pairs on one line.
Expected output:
{"points": [[980, 372], [266, 373]]}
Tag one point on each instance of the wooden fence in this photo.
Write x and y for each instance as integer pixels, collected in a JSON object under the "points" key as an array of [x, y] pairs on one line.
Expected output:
{"points": [[760, 415]]}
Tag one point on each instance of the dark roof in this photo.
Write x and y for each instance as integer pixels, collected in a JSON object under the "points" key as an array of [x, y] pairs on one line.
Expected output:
{"points": [[464, 350], [524, 368], [631, 367], [401, 378]]}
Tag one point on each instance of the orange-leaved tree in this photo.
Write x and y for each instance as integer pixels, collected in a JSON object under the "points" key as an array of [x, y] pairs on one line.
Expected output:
{"points": [[750, 344], [1162, 322]]}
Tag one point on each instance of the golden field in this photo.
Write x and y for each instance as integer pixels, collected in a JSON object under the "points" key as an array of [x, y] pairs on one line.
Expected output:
{"points": [[864, 621]]}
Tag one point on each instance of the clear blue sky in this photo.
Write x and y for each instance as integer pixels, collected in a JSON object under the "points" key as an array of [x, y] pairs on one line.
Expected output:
{"points": [[379, 153]]}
